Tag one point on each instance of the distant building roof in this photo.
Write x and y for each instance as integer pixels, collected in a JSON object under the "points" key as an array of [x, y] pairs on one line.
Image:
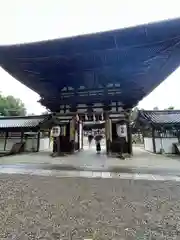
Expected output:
{"points": [[160, 117], [21, 122]]}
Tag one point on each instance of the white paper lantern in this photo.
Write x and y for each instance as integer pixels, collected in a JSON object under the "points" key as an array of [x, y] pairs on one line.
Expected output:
{"points": [[121, 130], [56, 131]]}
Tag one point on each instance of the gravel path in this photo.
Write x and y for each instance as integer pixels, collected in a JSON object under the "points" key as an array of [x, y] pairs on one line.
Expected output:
{"points": [[33, 207]]}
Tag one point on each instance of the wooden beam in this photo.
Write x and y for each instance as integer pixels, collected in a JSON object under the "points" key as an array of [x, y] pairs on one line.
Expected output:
{"points": [[129, 137], [153, 140], [38, 140], [5, 142]]}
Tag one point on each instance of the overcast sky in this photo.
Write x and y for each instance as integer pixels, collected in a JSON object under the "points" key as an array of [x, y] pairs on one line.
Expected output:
{"points": [[26, 21]]}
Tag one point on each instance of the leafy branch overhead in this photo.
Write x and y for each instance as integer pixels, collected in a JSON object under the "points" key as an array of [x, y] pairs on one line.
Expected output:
{"points": [[11, 106]]}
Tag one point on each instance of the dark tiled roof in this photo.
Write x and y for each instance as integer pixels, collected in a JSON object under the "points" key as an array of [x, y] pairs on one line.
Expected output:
{"points": [[161, 117], [133, 61], [21, 122]]}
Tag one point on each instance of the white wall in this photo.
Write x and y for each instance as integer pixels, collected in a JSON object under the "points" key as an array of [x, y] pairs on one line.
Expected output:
{"points": [[167, 144], [2, 141], [31, 143], [148, 144], [44, 144], [10, 142]]}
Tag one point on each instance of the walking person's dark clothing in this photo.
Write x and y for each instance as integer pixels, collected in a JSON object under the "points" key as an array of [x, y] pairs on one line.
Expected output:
{"points": [[98, 143], [98, 147]]}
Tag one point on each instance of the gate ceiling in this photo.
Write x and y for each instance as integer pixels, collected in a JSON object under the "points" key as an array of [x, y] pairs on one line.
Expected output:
{"points": [[120, 65]]}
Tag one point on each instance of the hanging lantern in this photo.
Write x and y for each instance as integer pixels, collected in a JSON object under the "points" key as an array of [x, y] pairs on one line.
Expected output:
{"points": [[55, 131], [121, 130]]}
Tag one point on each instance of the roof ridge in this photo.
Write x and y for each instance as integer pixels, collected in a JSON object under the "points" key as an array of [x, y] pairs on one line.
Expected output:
{"points": [[23, 117], [159, 111]]}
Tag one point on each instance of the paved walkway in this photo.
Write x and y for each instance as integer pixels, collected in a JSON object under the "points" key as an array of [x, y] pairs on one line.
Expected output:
{"points": [[141, 166], [90, 174], [90, 160]]}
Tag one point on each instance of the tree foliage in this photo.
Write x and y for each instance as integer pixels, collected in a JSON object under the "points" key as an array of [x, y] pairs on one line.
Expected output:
{"points": [[171, 108], [11, 106]]}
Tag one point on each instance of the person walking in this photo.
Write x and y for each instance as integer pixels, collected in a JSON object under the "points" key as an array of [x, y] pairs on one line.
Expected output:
{"points": [[98, 139], [90, 138]]}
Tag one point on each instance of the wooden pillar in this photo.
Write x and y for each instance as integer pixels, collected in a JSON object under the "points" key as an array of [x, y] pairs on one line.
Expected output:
{"points": [[72, 134], [129, 137], [129, 132], [153, 140], [108, 133], [38, 141], [78, 133], [22, 135], [58, 142], [5, 141], [55, 147], [82, 137]]}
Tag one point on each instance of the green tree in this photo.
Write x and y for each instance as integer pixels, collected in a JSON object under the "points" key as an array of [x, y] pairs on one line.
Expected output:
{"points": [[171, 108], [11, 106]]}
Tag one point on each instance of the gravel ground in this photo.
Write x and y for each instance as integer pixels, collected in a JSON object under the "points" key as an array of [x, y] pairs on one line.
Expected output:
{"points": [[33, 207]]}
